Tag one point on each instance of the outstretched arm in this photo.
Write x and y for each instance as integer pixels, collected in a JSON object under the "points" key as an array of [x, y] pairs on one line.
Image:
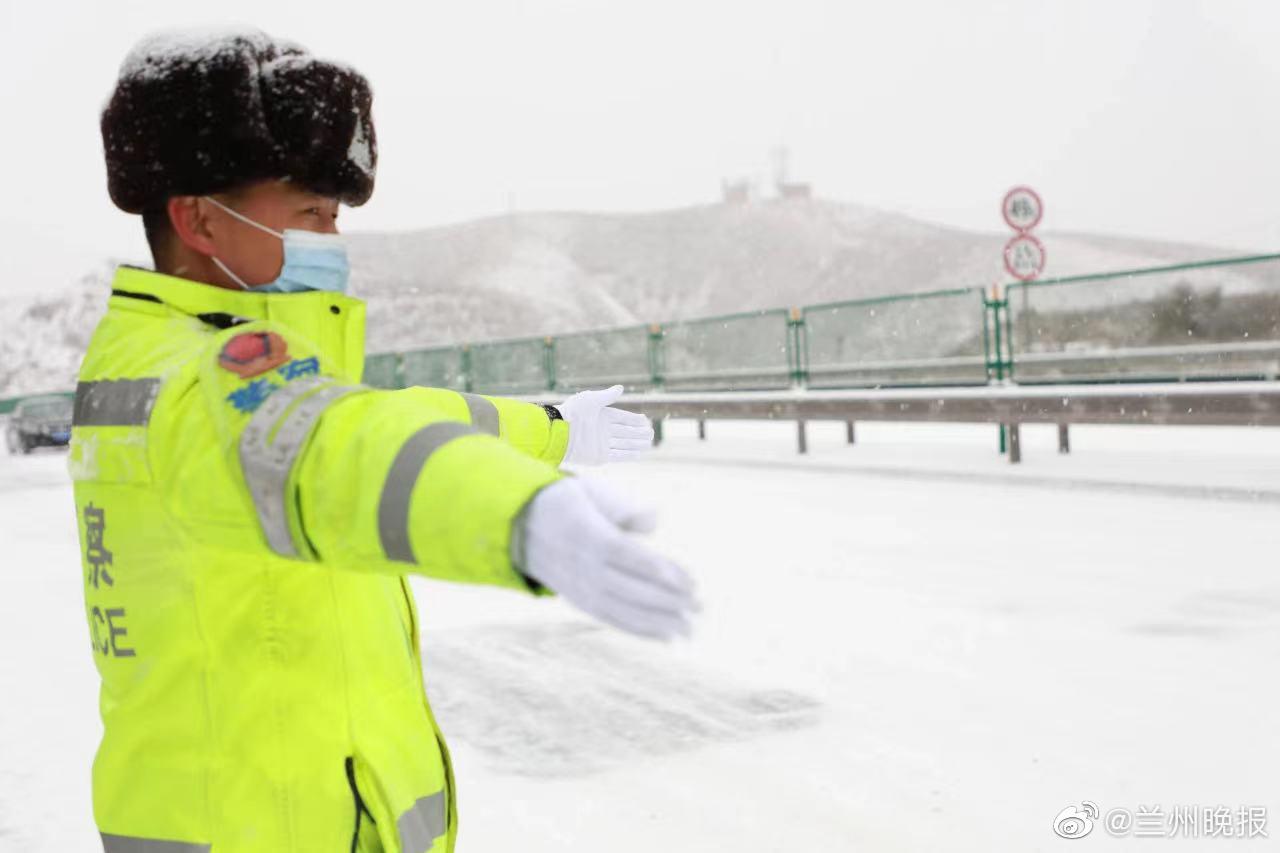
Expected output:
{"points": [[585, 429]]}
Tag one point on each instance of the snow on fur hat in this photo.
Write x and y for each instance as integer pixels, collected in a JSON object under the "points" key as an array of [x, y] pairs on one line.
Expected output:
{"points": [[200, 111]]}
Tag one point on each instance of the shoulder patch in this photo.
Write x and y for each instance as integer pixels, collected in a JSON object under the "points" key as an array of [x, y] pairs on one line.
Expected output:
{"points": [[253, 353]]}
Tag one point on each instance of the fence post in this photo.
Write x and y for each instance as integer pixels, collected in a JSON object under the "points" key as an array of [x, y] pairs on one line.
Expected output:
{"points": [[1009, 362], [995, 365], [656, 364], [399, 370], [996, 306], [798, 348], [466, 367]]}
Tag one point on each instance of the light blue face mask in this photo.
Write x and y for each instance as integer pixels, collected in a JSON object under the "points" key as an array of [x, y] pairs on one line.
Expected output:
{"points": [[312, 261]]}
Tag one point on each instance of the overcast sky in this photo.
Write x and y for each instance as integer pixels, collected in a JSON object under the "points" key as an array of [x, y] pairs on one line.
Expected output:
{"points": [[1134, 117]]}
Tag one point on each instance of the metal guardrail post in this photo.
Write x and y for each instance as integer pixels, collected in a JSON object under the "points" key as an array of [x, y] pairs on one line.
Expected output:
{"points": [[1015, 443], [656, 366], [549, 361]]}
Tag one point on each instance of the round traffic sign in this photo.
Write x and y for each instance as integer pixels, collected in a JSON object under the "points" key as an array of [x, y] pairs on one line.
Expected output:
{"points": [[1024, 257], [1022, 209]]}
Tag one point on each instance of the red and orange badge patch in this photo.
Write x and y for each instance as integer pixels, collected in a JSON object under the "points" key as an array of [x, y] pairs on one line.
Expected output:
{"points": [[254, 353]]}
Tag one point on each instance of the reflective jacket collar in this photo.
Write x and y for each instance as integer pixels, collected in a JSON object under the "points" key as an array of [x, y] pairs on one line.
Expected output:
{"points": [[333, 322]]}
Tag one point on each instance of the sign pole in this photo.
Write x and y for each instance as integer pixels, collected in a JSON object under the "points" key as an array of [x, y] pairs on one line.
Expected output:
{"points": [[1024, 259]]}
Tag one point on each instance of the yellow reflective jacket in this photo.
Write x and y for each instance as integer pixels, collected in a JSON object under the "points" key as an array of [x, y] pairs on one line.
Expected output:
{"points": [[247, 514]]}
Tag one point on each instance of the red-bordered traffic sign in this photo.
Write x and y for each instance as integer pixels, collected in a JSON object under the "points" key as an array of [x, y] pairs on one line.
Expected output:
{"points": [[1024, 257], [1022, 209]]}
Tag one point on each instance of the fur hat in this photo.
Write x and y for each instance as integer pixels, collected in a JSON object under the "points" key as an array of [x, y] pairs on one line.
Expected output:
{"points": [[199, 111]]}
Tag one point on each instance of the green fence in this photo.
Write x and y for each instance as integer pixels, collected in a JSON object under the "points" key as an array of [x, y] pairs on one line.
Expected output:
{"points": [[596, 359], [443, 367], [753, 351], [8, 405], [1212, 320], [938, 338], [1207, 321], [511, 367], [383, 371]]}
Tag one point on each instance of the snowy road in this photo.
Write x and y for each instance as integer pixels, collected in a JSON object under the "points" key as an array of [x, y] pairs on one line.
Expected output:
{"points": [[907, 645]]}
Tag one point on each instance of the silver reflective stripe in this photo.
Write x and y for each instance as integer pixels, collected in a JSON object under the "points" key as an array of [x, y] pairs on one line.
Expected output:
{"points": [[422, 824], [393, 506], [114, 402], [130, 844], [484, 414], [269, 447]]}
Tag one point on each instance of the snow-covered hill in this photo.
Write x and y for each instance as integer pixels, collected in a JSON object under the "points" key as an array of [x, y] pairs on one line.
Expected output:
{"points": [[548, 273]]}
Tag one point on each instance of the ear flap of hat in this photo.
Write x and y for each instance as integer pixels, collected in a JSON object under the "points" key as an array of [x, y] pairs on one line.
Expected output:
{"points": [[196, 112], [318, 113]]}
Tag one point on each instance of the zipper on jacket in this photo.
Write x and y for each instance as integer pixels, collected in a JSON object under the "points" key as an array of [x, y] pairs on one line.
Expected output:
{"points": [[222, 320], [217, 319], [359, 801], [145, 297], [413, 623], [451, 802]]}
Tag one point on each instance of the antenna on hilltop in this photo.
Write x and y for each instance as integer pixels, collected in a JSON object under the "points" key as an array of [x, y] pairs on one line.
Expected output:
{"points": [[780, 156], [783, 188]]}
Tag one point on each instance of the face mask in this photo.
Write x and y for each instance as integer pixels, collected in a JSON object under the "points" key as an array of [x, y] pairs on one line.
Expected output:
{"points": [[312, 261]]}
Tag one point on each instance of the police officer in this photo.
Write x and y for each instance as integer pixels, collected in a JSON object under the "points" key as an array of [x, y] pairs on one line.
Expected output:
{"points": [[248, 510]]}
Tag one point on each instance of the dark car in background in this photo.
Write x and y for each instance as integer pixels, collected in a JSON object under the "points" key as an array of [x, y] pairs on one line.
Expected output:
{"points": [[39, 422]]}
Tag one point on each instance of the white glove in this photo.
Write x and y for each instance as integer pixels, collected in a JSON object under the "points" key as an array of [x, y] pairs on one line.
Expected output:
{"points": [[599, 433], [578, 539]]}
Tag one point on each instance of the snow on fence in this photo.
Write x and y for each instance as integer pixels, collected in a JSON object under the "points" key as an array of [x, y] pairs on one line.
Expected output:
{"points": [[1210, 320]]}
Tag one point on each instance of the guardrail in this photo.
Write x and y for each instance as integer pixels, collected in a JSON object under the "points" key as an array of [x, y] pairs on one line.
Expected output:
{"points": [[1183, 404]]}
